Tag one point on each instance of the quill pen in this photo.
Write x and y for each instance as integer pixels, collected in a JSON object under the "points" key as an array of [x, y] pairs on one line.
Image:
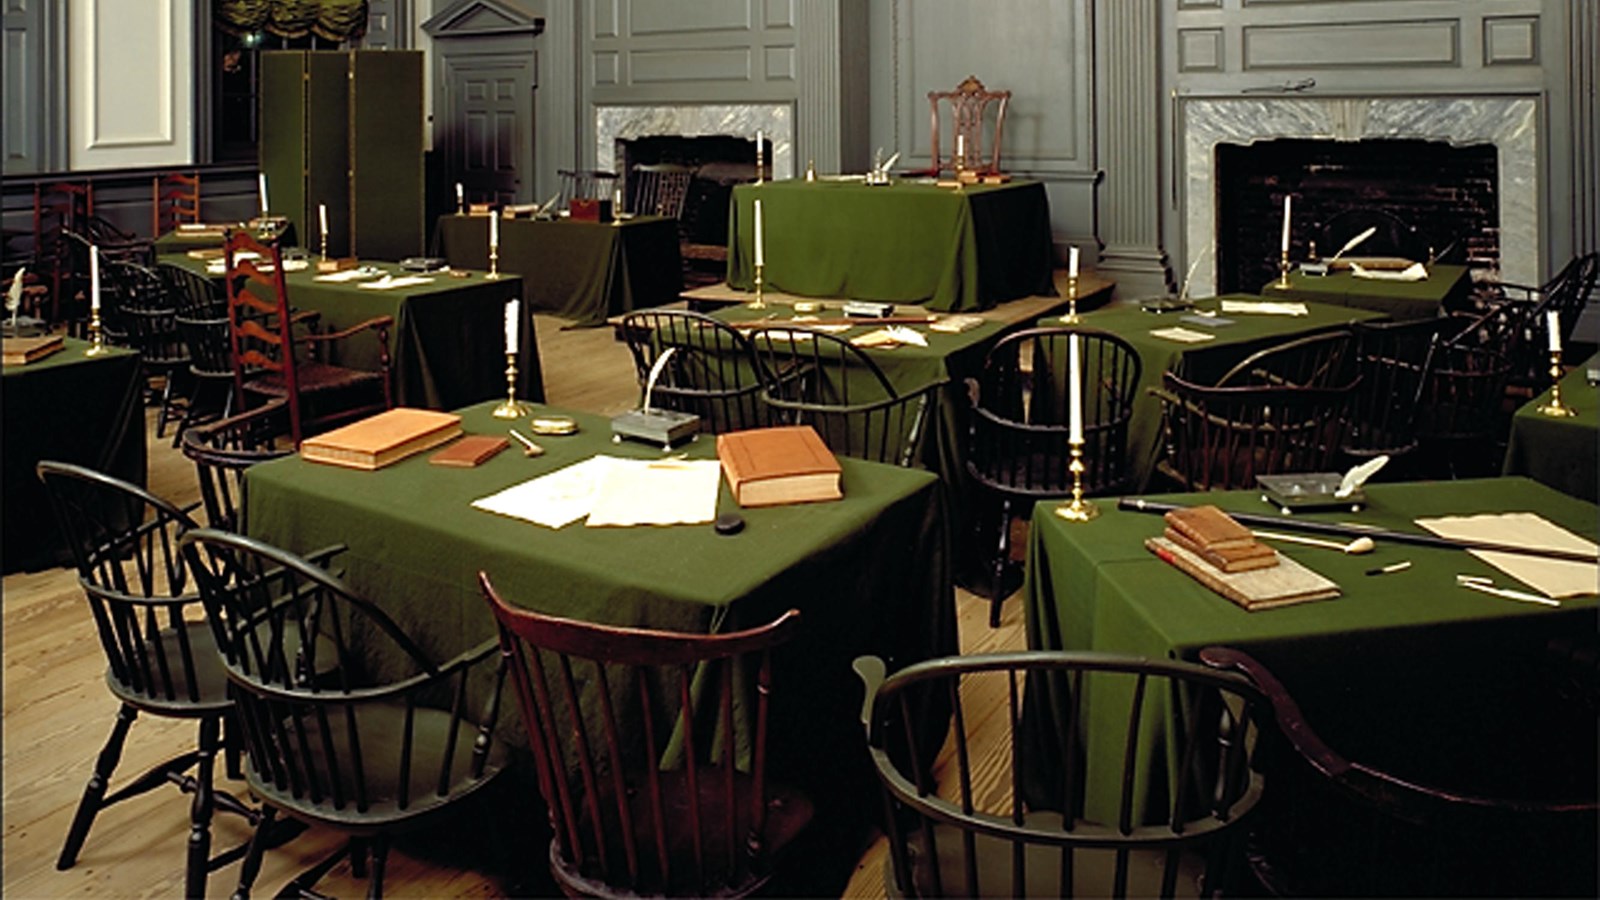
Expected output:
{"points": [[1355, 242], [14, 297]]}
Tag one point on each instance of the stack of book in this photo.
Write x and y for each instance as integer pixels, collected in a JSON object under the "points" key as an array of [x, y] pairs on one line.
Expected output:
{"points": [[1215, 550]]}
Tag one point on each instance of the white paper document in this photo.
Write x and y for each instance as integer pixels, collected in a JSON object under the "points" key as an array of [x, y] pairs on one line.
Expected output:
{"points": [[1265, 308], [344, 275], [1413, 272], [656, 492], [1556, 578], [388, 282], [554, 500], [1182, 335]]}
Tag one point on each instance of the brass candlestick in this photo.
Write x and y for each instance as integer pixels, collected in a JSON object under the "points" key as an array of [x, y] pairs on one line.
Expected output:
{"points": [[511, 407], [1554, 407], [1071, 318], [97, 338], [760, 302], [1079, 510], [494, 261], [1283, 271], [324, 247]]}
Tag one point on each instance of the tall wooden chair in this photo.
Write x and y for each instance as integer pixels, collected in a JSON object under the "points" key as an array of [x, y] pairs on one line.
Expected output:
{"points": [[162, 661], [654, 787], [968, 110], [659, 189], [1017, 446], [62, 209], [325, 741], [822, 380], [711, 373], [265, 347], [586, 184], [1009, 820], [174, 199]]}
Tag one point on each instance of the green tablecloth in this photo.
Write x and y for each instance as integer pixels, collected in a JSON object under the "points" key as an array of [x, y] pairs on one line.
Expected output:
{"points": [[447, 345], [1392, 637], [1201, 362], [72, 408], [583, 271], [1445, 289], [1560, 452], [907, 242], [869, 573]]}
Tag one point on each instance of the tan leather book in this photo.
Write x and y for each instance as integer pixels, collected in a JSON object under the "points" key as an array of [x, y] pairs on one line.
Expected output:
{"points": [[22, 350], [770, 466], [472, 450], [1210, 527], [1282, 585], [1229, 559], [377, 441]]}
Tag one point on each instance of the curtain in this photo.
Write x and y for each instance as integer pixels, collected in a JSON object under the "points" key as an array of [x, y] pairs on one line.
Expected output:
{"points": [[334, 20]]}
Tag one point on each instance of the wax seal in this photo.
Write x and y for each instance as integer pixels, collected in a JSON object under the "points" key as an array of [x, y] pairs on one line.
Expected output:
{"points": [[729, 523]]}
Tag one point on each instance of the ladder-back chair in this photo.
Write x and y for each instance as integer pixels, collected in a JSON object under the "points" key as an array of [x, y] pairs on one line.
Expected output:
{"points": [[174, 200]]}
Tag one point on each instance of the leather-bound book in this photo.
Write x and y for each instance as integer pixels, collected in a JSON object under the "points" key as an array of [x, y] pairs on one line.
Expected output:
{"points": [[377, 441], [472, 450], [1281, 585], [1209, 527], [23, 350], [770, 466], [1254, 555]]}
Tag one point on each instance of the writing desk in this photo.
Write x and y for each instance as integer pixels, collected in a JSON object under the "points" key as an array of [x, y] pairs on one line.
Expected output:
{"points": [[87, 410], [869, 573], [447, 344], [1199, 362], [584, 271], [1444, 290], [905, 242], [1559, 452], [1405, 639]]}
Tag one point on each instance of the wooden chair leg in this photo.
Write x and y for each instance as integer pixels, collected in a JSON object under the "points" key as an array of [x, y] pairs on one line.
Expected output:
{"points": [[359, 848], [199, 862], [95, 792], [258, 848], [997, 590], [380, 856]]}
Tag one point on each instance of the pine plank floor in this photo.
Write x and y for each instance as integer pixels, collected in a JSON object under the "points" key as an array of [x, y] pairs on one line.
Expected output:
{"points": [[57, 714]]}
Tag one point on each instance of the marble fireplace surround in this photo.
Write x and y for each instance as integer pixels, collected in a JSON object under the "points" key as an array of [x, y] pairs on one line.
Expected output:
{"points": [[774, 120], [1509, 123]]}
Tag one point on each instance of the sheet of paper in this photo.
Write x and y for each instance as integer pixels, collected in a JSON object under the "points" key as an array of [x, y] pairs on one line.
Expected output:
{"points": [[955, 324], [1182, 335], [348, 275], [811, 323], [1413, 272], [880, 338], [389, 282], [656, 492], [1556, 578], [1265, 308], [554, 500], [907, 335]]}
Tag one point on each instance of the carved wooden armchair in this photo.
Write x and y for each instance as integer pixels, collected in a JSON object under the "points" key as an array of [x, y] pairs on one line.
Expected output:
{"points": [[968, 113]]}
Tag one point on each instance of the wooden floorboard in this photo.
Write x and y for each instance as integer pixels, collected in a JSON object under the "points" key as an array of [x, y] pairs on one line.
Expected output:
{"points": [[57, 714]]}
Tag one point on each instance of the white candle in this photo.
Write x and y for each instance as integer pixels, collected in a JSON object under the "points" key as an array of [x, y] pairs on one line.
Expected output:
{"points": [[513, 309], [1075, 389], [494, 230], [261, 185], [1072, 262], [461, 197], [1552, 323], [961, 149], [94, 278], [322, 219], [1286, 223], [760, 254]]}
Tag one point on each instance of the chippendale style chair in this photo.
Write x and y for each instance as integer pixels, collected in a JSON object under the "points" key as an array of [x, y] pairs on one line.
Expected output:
{"points": [[968, 111]]}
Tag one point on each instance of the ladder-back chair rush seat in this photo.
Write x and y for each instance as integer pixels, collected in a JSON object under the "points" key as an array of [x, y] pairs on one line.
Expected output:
{"points": [[1004, 818], [1221, 438], [822, 380], [161, 661], [651, 752], [326, 741], [1495, 811], [1018, 447], [967, 110], [224, 449], [711, 372], [266, 350]]}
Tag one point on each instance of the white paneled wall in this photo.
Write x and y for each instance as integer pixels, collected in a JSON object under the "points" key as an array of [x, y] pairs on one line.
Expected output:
{"points": [[131, 84]]}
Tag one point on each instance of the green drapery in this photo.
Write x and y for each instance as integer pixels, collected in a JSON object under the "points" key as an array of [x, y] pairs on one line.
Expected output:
{"points": [[334, 20]]}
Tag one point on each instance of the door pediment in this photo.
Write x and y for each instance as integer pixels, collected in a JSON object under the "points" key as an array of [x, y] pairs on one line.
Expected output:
{"points": [[475, 18]]}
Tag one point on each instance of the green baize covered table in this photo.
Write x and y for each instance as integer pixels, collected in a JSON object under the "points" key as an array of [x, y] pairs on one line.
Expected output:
{"points": [[948, 249], [1560, 451], [1411, 639], [1444, 290], [447, 344], [869, 573]]}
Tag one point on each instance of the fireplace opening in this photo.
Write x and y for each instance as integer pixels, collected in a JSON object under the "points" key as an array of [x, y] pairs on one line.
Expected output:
{"points": [[718, 162], [1430, 198]]}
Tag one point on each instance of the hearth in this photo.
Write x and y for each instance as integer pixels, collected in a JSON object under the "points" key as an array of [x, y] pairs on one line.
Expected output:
{"points": [[718, 163]]}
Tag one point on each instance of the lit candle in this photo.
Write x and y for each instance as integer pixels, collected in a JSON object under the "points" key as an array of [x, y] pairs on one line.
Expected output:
{"points": [[513, 309], [760, 255], [1552, 323], [261, 184], [322, 219], [94, 278], [1075, 389], [1072, 262], [494, 230], [461, 197], [1286, 223], [961, 149]]}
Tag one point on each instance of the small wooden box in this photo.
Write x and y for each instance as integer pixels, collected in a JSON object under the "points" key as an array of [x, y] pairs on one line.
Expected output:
{"points": [[590, 210]]}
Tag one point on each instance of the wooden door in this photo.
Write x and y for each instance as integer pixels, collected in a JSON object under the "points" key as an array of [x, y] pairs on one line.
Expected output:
{"points": [[490, 127]]}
